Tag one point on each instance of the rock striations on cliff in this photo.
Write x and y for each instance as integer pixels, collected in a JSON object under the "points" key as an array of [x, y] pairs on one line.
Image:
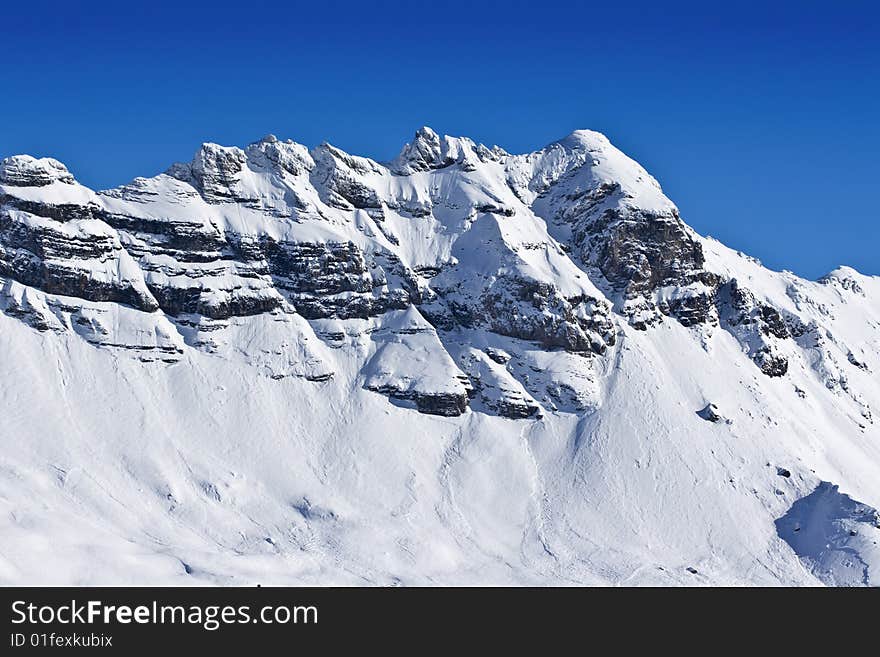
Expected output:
{"points": [[486, 367], [473, 247]]}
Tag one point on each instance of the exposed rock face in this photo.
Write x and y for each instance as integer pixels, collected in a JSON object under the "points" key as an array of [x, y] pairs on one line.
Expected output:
{"points": [[639, 251], [438, 403], [79, 258], [552, 251], [710, 413], [215, 171], [758, 326], [337, 174], [620, 226], [529, 310], [27, 171], [331, 280]]}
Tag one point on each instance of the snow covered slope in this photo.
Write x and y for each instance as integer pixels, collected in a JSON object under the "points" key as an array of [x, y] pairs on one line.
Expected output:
{"points": [[276, 365]]}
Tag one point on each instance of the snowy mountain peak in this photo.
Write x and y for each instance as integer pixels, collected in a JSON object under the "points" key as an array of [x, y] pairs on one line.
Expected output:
{"points": [[515, 362], [557, 247], [426, 135], [422, 154], [429, 151], [585, 139], [27, 171]]}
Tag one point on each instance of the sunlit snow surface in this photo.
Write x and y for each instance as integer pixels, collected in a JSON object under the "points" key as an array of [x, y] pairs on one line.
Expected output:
{"points": [[116, 471], [261, 453]]}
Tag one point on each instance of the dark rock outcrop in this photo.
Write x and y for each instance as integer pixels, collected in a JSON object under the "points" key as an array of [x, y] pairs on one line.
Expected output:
{"points": [[757, 325], [445, 404], [67, 260], [710, 413]]}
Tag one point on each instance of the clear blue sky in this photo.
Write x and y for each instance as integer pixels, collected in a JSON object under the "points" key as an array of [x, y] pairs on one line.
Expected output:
{"points": [[759, 119]]}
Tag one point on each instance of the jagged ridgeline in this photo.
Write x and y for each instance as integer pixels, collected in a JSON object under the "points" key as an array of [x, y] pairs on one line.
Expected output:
{"points": [[455, 277]]}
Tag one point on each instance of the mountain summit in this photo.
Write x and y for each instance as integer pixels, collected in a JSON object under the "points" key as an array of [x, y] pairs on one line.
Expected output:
{"points": [[279, 364]]}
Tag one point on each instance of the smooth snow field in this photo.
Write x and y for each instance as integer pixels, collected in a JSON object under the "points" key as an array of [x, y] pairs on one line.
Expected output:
{"points": [[116, 471]]}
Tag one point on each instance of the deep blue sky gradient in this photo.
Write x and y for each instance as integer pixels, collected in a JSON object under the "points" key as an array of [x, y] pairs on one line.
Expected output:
{"points": [[759, 119]]}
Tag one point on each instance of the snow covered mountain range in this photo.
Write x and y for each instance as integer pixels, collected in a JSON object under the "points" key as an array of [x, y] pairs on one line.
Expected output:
{"points": [[463, 366]]}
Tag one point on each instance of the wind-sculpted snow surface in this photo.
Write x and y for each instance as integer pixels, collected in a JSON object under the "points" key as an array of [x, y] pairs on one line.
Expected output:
{"points": [[837, 538], [276, 364]]}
